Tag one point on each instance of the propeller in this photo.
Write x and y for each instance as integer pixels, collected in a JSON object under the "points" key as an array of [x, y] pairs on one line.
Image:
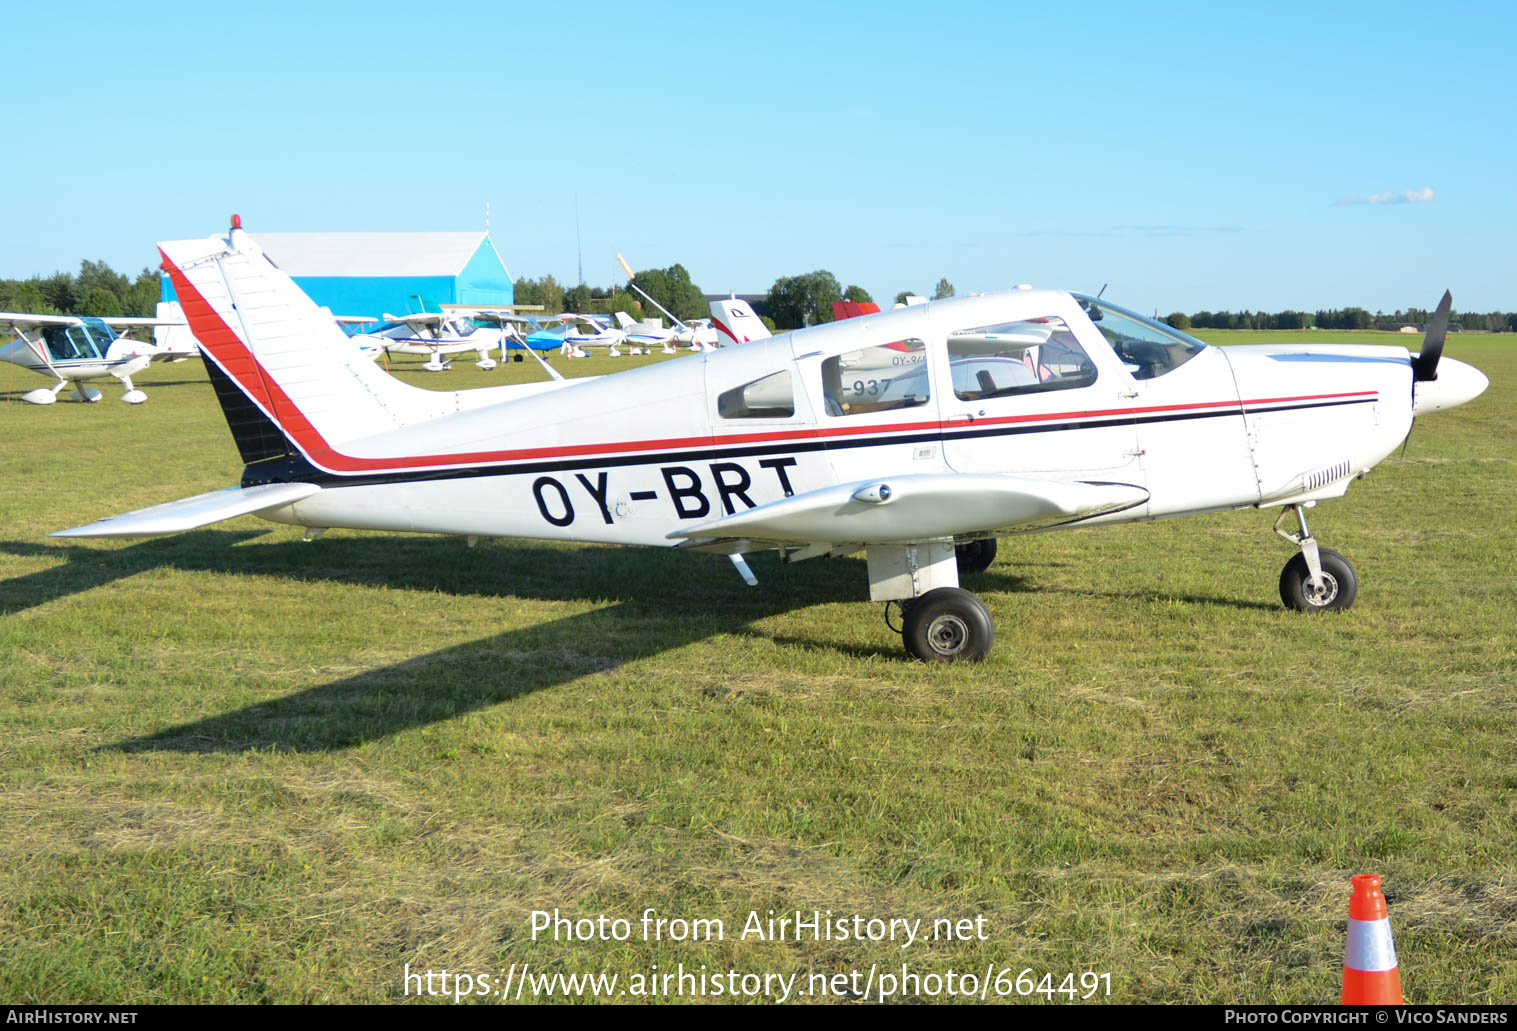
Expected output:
{"points": [[1425, 365]]}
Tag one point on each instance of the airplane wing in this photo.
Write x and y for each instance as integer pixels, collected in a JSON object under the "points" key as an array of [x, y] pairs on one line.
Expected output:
{"points": [[492, 315], [27, 321], [188, 513], [915, 507], [11, 318], [416, 319], [355, 320], [128, 322]]}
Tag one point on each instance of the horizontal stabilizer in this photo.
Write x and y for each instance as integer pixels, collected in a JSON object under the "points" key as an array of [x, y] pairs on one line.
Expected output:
{"points": [[188, 513], [919, 507]]}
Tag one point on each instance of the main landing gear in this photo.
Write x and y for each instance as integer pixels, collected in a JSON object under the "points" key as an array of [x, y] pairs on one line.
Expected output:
{"points": [[940, 621], [1316, 579], [947, 624]]}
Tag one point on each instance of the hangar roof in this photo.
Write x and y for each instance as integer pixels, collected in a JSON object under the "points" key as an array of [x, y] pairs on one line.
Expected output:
{"points": [[371, 254]]}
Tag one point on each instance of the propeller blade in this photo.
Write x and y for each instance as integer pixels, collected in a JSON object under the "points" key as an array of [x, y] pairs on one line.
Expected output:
{"points": [[1425, 367]]}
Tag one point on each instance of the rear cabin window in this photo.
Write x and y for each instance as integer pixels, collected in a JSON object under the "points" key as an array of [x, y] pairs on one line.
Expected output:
{"points": [[1025, 357], [769, 397], [876, 379]]}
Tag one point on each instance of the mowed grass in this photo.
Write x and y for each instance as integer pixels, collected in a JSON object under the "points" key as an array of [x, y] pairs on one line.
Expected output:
{"points": [[239, 767]]}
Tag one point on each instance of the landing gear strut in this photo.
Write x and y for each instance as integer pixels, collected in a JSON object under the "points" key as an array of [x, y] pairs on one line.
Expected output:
{"points": [[1316, 579]]}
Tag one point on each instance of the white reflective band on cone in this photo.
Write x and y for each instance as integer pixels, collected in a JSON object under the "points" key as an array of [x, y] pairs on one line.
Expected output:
{"points": [[1370, 947]]}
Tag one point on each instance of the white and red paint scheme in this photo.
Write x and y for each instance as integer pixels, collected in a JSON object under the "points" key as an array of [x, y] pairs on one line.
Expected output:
{"points": [[918, 435]]}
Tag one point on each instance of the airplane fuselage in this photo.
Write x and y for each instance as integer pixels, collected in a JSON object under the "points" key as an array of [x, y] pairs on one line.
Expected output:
{"points": [[1230, 428]]}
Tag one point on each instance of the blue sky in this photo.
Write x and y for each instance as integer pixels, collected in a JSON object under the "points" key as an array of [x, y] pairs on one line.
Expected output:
{"points": [[1190, 155]]}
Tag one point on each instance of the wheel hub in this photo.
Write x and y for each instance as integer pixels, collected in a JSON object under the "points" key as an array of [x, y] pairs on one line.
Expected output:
{"points": [[1321, 596], [947, 634]]}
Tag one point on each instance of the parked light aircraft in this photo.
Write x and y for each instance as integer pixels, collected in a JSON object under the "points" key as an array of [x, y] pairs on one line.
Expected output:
{"points": [[74, 349], [572, 333], [765, 446], [435, 333], [698, 334], [647, 335]]}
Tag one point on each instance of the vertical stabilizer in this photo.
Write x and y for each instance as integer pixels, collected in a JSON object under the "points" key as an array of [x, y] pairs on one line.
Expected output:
{"points": [[276, 352], [736, 322]]}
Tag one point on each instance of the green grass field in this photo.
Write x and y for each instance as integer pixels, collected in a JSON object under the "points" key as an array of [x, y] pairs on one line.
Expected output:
{"points": [[235, 766]]}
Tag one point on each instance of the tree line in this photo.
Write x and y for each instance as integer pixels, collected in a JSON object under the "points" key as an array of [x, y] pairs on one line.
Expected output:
{"points": [[670, 287], [1339, 318], [96, 290], [794, 301]]}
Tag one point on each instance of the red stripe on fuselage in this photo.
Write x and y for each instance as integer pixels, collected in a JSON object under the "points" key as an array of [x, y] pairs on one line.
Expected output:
{"points": [[239, 363]]}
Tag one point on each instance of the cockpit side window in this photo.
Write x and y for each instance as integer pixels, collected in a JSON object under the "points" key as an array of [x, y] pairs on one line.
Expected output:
{"points": [[70, 343], [876, 379], [1023, 357], [1149, 349], [768, 397]]}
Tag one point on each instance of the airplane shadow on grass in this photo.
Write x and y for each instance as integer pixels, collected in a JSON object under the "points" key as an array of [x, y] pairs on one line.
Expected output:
{"points": [[659, 601]]}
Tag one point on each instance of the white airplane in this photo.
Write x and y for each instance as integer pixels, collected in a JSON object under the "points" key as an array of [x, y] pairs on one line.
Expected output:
{"points": [[643, 337], [590, 331], [752, 448], [74, 349], [434, 334]]}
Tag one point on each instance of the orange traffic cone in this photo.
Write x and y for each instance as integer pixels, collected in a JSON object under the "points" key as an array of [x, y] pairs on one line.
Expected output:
{"points": [[1370, 975]]}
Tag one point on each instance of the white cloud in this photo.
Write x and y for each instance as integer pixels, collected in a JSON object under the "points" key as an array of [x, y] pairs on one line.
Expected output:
{"points": [[1421, 196]]}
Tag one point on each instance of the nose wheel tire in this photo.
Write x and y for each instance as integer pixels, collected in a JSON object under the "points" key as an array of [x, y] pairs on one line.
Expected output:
{"points": [[1340, 584], [948, 624], [976, 556]]}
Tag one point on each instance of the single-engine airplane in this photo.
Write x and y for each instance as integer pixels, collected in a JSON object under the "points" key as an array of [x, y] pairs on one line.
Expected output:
{"points": [[74, 349], [1090, 415]]}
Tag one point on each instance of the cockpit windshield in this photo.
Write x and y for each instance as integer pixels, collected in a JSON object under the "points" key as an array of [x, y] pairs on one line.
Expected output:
{"points": [[79, 342], [1148, 348]]}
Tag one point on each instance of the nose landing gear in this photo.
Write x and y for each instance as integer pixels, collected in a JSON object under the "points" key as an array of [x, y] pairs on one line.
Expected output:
{"points": [[1316, 579]]}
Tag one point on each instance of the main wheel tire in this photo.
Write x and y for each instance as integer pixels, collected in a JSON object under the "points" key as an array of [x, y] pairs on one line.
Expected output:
{"points": [[1340, 584], [948, 624], [976, 556]]}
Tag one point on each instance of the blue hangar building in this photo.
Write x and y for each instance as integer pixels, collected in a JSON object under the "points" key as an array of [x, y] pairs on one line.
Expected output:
{"points": [[374, 273]]}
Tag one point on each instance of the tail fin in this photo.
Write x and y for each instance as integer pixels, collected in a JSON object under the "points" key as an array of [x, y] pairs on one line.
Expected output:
{"points": [[624, 320], [852, 309], [736, 322], [172, 339], [285, 374]]}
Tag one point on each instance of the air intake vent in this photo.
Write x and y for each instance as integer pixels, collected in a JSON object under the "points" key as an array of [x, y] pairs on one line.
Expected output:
{"points": [[1322, 477]]}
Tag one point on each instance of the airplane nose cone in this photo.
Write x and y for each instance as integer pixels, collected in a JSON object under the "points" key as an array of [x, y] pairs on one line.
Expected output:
{"points": [[1456, 384]]}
